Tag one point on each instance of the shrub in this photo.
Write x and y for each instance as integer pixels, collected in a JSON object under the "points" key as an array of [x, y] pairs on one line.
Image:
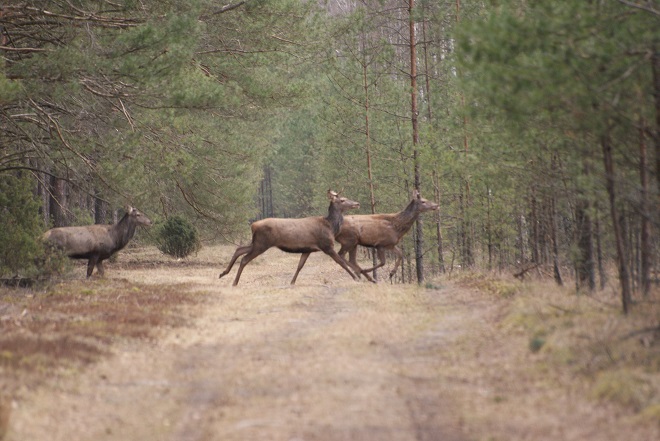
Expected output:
{"points": [[178, 237], [21, 226]]}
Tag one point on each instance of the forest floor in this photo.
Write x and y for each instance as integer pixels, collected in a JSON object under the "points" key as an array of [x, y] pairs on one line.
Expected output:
{"points": [[163, 350]]}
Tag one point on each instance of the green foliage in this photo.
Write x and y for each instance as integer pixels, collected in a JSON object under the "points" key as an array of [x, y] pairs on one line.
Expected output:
{"points": [[21, 226], [178, 237]]}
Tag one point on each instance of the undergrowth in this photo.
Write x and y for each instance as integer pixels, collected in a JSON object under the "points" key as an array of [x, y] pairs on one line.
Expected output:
{"points": [[585, 335]]}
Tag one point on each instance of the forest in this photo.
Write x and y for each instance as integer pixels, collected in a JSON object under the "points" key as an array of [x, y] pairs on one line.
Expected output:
{"points": [[535, 125]]}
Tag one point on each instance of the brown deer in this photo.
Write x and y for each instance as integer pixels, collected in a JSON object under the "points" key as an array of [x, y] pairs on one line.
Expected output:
{"points": [[380, 231], [306, 236], [96, 242]]}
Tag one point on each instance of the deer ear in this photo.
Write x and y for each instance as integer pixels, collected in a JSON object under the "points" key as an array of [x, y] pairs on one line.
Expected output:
{"points": [[332, 194], [416, 194]]}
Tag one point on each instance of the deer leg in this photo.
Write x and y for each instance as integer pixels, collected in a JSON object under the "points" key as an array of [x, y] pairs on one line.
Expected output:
{"points": [[381, 260], [399, 259], [332, 253], [245, 260], [91, 263], [301, 263], [238, 253], [99, 268], [352, 261]]}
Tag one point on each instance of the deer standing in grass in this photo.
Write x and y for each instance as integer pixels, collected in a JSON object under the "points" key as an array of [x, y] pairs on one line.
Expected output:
{"points": [[96, 242], [380, 231], [306, 236]]}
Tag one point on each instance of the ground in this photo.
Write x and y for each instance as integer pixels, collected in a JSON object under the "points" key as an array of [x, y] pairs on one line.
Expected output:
{"points": [[164, 350]]}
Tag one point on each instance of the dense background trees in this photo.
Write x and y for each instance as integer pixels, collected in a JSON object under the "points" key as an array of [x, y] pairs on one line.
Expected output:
{"points": [[537, 123]]}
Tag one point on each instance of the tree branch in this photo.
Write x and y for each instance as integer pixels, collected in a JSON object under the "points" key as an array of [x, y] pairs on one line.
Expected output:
{"points": [[229, 7], [648, 9]]}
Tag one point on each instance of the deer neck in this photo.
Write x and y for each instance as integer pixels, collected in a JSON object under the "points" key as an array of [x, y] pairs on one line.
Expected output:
{"points": [[124, 230], [335, 218], [404, 219]]}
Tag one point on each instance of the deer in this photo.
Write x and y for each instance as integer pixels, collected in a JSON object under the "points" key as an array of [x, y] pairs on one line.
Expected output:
{"points": [[304, 235], [96, 242], [381, 232]]}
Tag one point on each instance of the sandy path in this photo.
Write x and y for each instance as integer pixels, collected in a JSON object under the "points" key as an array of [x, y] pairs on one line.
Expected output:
{"points": [[329, 359]]}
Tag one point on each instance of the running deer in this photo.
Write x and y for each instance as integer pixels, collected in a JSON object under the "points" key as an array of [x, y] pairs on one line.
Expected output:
{"points": [[305, 236], [380, 231], [96, 242]]}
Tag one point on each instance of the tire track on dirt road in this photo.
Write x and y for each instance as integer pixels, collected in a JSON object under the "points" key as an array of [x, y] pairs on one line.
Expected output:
{"points": [[317, 370], [265, 361]]}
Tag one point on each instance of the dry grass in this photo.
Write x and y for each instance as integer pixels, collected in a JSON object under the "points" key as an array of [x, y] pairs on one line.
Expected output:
{"points": [[73, 323], [474, 358], [579, 344]]}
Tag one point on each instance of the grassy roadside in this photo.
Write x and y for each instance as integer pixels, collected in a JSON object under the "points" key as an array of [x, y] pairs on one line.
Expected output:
{"points": [[562, 346], [63, 327]]}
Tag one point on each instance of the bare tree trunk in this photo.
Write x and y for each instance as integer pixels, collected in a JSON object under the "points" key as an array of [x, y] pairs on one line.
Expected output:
{"points": [[466, 220], [624, 276], [535, 221], [367, 146], [100, 210], [419, 239], [438, 222], [57, 202], [645, 233], [602, 274], [555, 244], [585, 261], [427, 75], [655, 60]]}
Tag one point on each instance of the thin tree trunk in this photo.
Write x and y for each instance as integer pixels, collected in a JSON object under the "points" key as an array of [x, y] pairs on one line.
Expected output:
{"points": [[100, 209], [555, 244], [602, 274], [585, 262], [624, 276], [534, 220], [645, 239], [467, 224], [655, 63], [438, 222], [419, 239], [427, 76], [367, 146], [57, 202]]}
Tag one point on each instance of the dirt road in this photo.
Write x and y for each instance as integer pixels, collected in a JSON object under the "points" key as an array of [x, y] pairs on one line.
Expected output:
{"points": [[328, 359]]}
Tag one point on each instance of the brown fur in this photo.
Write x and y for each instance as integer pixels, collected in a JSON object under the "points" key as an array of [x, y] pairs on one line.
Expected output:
{"points": [[96, 242], [380, 231], [305, 236]]}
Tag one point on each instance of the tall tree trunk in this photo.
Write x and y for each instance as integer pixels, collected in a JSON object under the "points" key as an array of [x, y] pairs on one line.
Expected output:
{"points": [[645, 233], [419, 238], [555, 241], [585, 261], [467, 224], [619, 239], [100, 209], [438, 222], [57, 202], [427, 75], [553, 224], [655, 62], [367, 147], [602, 274], [535, 222]]}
